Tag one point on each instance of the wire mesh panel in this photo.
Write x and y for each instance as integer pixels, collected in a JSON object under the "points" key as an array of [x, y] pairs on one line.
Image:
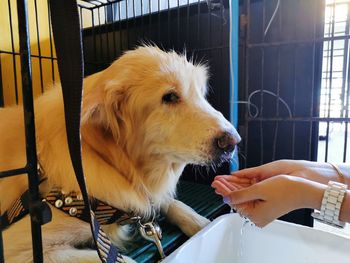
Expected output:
{"points": [[44, 67], [298, 50], [282, 72], [282, 59]]}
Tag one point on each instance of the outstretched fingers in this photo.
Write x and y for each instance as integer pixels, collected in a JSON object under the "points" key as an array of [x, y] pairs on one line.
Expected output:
{"points": [[221, 188], [249, 194]]}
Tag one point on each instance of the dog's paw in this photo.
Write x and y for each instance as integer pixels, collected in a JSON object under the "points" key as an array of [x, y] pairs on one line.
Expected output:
{"points": [[185, 218], [197, 223]]}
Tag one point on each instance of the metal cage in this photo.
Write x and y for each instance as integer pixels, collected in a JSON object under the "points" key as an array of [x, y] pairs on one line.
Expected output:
{"points": [[295, 76], [109, 27], [293, 71], [281, 56]]}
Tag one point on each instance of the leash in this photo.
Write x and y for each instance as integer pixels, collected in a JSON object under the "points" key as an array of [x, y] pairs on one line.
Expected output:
{"points": [[68, 43]]}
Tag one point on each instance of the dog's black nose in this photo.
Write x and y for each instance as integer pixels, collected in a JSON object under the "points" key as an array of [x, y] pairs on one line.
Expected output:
{"points": [[227, 142]]}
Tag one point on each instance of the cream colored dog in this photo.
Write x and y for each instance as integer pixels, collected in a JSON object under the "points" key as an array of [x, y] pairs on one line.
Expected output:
{"points": [[144, 119]]}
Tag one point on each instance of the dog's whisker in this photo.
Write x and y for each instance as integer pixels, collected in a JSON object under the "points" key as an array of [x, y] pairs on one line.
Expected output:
{"points": [[213, 167]]}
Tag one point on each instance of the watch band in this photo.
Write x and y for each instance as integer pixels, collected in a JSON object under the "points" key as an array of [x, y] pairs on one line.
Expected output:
{"points": [[331, 204]]}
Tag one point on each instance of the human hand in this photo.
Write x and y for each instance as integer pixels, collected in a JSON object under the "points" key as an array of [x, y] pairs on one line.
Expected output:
{"points": [[269, 199], [225, 184], [319, 172]]}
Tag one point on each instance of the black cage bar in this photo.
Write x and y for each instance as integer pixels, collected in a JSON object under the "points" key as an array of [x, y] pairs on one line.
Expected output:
{"points": [[31, 155]]}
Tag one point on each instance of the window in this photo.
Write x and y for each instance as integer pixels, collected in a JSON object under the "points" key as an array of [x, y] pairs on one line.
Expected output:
{"points": [[334, 100]]}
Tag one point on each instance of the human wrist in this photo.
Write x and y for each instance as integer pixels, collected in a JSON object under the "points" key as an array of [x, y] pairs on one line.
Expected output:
{"points": [[345, 170], [322, 172], [311, 194], [339, 174]]}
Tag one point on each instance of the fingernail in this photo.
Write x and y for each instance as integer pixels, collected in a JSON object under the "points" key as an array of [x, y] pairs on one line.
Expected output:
{"points": [[227, 200]]}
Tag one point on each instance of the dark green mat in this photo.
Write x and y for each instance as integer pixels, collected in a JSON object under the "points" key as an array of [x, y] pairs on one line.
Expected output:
{"points": [[201, 198]]}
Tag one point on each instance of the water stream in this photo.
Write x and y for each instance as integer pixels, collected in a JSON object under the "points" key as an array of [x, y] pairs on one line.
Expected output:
{"points": [[240, 252]]}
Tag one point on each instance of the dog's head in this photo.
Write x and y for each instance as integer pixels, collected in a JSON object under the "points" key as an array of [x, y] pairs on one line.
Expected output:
{"points": [[153, 103]]}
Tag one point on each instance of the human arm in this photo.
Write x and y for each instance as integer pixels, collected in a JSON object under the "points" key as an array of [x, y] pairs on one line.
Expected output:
{"points": [[269, 199], [315, 171], [263, 194]]}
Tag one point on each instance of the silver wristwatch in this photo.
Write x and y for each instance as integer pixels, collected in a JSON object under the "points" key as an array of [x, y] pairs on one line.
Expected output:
{"points": [[331, 204]]}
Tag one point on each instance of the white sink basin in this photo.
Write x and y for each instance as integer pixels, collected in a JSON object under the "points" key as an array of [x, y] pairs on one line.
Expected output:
{"points": [[280, 242]]}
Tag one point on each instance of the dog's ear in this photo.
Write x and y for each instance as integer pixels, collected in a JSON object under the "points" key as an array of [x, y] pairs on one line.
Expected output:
{"points": [[114, 101], [103, 104], [94, 111], [94, 114], [105, 114]]}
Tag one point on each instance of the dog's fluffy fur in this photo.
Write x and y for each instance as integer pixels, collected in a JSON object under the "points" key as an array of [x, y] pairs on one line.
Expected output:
{"points": [[135, 147]]}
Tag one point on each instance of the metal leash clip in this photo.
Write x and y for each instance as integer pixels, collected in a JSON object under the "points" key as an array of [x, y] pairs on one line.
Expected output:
{"points": [[151, 231]]}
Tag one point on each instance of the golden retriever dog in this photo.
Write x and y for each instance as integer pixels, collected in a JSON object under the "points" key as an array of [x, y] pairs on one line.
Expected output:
{"points": [[144, 119]]}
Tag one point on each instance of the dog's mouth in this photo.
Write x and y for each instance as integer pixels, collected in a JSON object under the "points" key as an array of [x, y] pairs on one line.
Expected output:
{"points": [[220, 158], [213, 158]]}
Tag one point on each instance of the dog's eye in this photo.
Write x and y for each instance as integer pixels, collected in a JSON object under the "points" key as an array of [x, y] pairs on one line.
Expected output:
{"points": [[170, 97]]}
